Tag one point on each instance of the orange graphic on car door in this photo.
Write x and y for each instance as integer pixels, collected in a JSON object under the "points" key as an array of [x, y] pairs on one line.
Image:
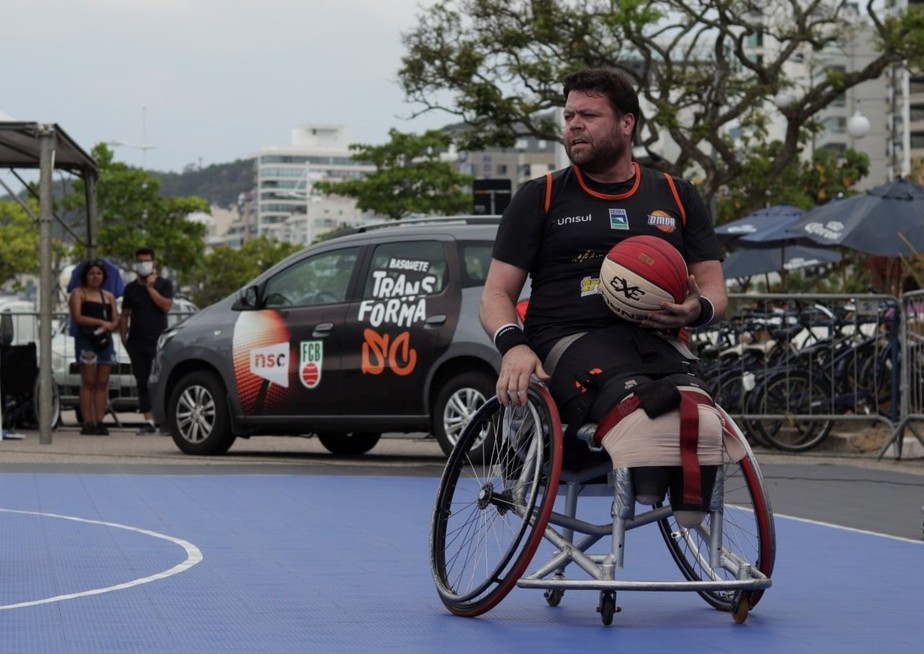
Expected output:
{"points": [[381, 351]]}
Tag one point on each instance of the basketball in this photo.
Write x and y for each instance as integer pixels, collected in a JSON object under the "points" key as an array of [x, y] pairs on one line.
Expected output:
{"points": [[641, 272]]}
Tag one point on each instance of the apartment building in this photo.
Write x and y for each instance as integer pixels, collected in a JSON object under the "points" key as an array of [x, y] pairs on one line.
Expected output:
{"points": [[286, 206]]}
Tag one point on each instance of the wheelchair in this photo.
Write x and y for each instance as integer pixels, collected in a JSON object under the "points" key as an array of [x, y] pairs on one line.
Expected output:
{"points": [[491, 515], [20, 387]]}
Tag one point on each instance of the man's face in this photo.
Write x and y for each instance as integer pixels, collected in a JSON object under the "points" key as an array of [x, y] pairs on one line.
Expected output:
{"points": [[595, 139], [144, 264]]}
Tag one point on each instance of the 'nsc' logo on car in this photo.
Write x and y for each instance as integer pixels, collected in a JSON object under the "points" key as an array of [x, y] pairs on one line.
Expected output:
{"points": [[271, 363]]}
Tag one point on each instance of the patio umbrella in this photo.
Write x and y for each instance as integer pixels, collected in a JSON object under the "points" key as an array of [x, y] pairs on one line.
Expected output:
{"points": [[758, 261], [764, 226], [883, 221], [765, 245]]}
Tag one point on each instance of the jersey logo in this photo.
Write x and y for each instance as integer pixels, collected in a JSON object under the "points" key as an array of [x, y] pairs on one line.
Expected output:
{"points": [[662, 220], [590, 286], [619, 219]]}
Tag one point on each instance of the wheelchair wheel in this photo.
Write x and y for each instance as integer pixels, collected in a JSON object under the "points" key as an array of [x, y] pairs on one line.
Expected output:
{"points": [[491, 514], [748, 534]]}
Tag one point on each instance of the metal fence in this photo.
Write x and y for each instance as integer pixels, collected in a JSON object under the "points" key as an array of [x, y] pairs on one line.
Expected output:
{"points": [[788, 368]]}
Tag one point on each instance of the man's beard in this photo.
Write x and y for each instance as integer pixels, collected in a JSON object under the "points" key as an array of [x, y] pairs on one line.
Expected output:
{"points": [[599, 158]]}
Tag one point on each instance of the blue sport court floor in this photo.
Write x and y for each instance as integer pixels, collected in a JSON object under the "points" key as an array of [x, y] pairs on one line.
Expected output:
{"points": [[313, 563]]}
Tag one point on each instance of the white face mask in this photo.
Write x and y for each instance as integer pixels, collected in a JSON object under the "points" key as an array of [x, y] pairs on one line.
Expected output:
{"points": [[144, 268]]}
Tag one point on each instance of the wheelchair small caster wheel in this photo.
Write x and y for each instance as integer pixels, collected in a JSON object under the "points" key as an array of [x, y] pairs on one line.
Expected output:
{"points": [[740, 607], [607, 608], [553, 596]]}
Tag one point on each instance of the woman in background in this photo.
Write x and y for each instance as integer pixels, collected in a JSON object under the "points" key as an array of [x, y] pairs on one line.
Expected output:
{"points": [[94, 312]]}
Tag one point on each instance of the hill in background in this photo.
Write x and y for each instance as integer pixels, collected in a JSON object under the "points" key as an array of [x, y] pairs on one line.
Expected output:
{"points": [[219, 184]]}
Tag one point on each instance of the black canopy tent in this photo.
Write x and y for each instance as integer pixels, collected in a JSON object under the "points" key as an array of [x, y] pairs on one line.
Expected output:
{"points": [[47, 147]]}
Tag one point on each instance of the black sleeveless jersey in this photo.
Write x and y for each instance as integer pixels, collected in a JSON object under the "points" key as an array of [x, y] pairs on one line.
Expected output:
{"points": [[560, 227]]}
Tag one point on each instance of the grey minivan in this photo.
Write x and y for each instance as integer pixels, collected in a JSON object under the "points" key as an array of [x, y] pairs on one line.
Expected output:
{"points": [[368, 332]]}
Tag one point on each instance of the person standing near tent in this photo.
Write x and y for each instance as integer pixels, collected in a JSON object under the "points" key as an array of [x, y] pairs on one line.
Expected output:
{"points": [[145, 304], [95, 316], [113, 283]]}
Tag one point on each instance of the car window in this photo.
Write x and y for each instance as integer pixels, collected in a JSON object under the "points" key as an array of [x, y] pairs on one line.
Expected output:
{"points": [[319, 279], [476, 259], [406, 268]]}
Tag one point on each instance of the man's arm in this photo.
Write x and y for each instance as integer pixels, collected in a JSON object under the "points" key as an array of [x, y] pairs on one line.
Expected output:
{"points": [[124, 321], [711, 282], [498, 315], [163, 303], [499, 298]]}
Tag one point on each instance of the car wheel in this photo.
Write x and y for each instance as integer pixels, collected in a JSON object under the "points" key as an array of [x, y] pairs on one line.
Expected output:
{"points": [[349, 444], [197, 415], [457, 402]]}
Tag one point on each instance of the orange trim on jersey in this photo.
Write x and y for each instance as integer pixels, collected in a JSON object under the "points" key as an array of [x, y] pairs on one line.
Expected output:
{"points": [[548, 191], [607, 196], [683, 212]]}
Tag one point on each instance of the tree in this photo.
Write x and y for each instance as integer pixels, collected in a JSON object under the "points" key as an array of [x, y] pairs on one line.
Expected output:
{"points": [[802, 184], [410, 177], [133, 214], [19, 247], [497, 65], [225, 270]]}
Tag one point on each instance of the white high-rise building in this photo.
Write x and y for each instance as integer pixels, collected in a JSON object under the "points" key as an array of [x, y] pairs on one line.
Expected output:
{"points": [[883, 107], [286, 207]]}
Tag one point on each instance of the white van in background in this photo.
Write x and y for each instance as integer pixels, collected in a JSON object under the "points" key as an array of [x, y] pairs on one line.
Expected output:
{"points": [[22, 319]]}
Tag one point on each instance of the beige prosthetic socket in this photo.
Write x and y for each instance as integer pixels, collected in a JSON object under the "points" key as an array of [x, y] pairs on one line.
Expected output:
{"points": [[638, 441]]}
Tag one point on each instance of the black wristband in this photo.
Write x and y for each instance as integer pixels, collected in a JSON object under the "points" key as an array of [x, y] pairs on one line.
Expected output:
{"points": [[706, 313], [508, 337]]}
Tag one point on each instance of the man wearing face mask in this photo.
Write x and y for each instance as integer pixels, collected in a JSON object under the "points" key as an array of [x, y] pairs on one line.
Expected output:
{"points": [[144, 318]]}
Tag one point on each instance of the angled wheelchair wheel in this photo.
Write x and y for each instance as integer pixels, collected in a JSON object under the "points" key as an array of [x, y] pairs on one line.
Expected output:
{"points": [[491, 513], [748, 535]]}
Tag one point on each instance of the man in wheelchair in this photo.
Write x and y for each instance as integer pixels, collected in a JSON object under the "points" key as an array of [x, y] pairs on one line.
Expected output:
{"points": [[634, 383]]}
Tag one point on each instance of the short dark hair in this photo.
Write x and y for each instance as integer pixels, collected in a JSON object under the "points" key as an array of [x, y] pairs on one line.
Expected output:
{"points": [[612, 84], [141, 251], [85, 271]]}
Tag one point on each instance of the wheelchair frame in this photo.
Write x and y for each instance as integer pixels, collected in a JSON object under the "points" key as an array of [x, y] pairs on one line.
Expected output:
{"points": [[490, 517]]}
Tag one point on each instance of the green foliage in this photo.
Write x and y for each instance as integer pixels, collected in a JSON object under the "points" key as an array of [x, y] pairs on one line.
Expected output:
{"points": [[19, 247], [225, 270], [409, 177], [132, 213], [802, 184], [497, 66]]}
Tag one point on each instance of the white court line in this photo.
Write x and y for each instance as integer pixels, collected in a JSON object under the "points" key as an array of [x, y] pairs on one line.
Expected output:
{"points": [[193, 556], [853, 529]]}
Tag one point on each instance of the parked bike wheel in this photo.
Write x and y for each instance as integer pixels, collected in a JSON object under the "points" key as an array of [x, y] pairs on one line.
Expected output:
{"points": [[790, 394]]}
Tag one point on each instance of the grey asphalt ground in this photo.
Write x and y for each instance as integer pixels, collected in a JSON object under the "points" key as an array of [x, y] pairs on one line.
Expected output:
{"points": [[843, 482]]}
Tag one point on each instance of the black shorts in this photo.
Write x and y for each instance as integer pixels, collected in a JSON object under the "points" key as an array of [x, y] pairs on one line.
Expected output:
{"points": [[595, 352]]}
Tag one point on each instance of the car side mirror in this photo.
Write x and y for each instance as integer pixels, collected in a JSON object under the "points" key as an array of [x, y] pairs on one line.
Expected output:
{"points": [[248, 299]]}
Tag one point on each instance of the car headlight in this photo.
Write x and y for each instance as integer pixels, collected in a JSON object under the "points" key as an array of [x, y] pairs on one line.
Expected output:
{"points": [[166, 337]]}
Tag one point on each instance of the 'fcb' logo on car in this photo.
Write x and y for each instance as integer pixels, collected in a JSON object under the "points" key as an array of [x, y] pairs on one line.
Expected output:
{"points": [[310, 364]]}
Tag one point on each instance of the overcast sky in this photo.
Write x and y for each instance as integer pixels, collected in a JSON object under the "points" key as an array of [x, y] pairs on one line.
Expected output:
{"points": [[206, 81]]}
